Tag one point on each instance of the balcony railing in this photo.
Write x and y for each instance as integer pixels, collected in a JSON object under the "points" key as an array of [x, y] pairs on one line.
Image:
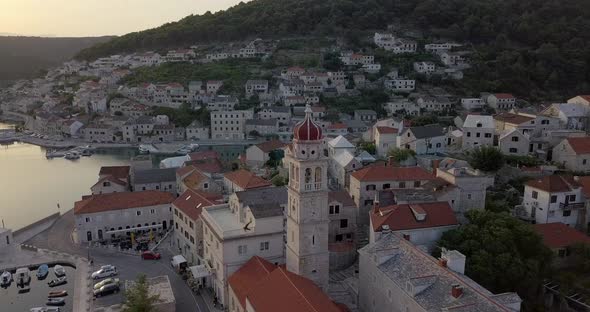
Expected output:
{"points": [[313, 186], [571, 206]]}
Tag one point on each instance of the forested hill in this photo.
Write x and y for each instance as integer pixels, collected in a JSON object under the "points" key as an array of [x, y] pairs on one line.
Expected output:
{"points": [[24, 57], [537, 45]]}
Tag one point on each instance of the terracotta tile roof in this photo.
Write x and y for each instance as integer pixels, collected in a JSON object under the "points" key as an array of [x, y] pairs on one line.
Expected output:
{"points": [[553, 183], [246, 179], [558, 235], [580, 145], [270, 145], [110, 179], [387, 130], [183, 171], [292, 293], [513, 118], [245, 279], [119, 172], [119, 201], [389, 173], [585, 97], [504, 96], [342, 197], [585, 183], [191, 203], [208, 166], [194, 179], [404, 217]]}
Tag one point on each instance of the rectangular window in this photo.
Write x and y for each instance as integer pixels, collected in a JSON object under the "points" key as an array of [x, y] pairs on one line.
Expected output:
{"points": [[339, 237], [416, 183], [386, 186], [534, 194], [264, 245], [336, 209], [402, 185], [368, 202], [553, 199], [242, 249], [138, 213], [343, 223], [331, 209], [87, 220], [370, 187], [572, 198], [514, 139], [190, 224], [567, 213], [152, 211], [477, 134], [488, 135]]}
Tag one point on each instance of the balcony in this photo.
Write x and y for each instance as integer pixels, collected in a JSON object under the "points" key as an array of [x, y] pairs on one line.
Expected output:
{"points": [[313, 186], [571, 206]]}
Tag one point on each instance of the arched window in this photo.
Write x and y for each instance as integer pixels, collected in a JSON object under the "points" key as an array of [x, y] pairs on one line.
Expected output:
{"points": [[318, 175], [308, 175]]}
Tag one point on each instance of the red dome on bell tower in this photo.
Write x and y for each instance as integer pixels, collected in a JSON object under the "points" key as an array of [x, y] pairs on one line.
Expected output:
{"points": [[307, 130]]}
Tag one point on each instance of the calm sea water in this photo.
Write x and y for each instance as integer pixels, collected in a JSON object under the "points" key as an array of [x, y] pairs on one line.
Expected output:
{"points": [[31, 186]]}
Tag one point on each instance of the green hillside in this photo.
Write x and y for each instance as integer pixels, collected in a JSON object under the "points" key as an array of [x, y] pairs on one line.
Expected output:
{"points": [[537, 48]]}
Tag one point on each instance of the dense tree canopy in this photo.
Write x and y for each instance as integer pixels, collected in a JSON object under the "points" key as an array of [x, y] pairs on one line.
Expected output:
{"points": [[486, 158], [138, 299], [503, 253]]}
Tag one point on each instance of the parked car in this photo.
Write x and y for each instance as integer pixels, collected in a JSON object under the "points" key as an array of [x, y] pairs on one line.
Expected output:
{"points": [[107, 281], [106, 290], [150, 255], [105, 271]]}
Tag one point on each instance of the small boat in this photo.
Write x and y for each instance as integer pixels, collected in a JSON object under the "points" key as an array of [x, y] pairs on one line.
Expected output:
{"points": [[54, 154], [57, 293], [55, 301], [58, 281], [72, 155], [59, 270], [22, 276], [24, 289], [5, 279], [147, 149], [42, 271], [86, 152], [46, 309]]}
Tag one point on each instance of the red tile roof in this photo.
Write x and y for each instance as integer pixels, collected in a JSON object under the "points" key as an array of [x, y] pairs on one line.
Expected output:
{"points": [[553, 183], [119, 172], [504, 96], [119, 201], [387, 130], [402, 217], [194, 179], [270, 145], [110, 179], [183, 171], [513, 118], [246, 179], [245, 279], [558, 235], [253, 282], [208, 166], [340, 196], [191, 203], [580, 145], [389, 173]]}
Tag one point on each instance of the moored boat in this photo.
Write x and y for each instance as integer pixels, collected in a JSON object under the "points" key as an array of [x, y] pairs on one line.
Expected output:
{"points": [[22, 276], [58, 281], [59, 270], [46, 309], [5, 279], [57, 293], [55, 301], [42, 271], [72, 155]]}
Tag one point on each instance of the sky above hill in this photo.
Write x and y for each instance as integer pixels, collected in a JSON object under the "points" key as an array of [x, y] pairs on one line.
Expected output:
{"points": [[78, 18]]}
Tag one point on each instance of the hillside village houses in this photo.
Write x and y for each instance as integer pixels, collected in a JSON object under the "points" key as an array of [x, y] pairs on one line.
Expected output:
{"points": [[250, 235]]}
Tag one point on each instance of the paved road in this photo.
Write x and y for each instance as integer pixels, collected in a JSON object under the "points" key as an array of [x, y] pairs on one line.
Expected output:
{"points": [[59, 238]]}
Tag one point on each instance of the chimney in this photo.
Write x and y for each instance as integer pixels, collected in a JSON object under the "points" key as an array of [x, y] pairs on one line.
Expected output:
{"points": [[456, 290], [435, 164], [376, 202], [385, 229], [442, 262]]}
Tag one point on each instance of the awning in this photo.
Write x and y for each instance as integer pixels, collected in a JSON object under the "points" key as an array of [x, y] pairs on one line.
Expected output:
{"points": [[199, 271], [137, 228]]}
